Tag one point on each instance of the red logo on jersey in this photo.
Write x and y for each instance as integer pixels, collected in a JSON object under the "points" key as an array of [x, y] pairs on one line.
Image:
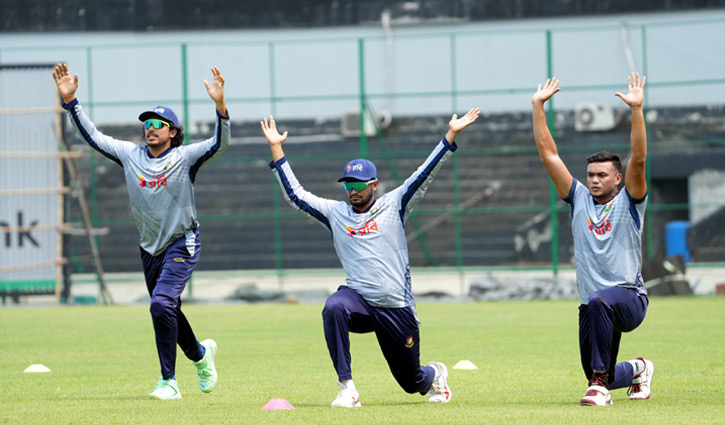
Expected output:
{"points": [[161, 181], [602, 229], [369, 227]]}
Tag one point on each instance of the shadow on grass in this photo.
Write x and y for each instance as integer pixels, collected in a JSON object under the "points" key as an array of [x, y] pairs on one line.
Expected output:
{"points": [[364, 404], [109, 398]]}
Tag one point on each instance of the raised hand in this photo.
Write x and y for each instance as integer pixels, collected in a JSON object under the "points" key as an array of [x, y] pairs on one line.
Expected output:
{"points": [[216, 88], [635, 93], [543, 94], [67, 84], [270, 132], [456, 124]]}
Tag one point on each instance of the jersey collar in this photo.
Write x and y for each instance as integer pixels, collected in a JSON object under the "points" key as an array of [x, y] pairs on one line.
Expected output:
{"points": [[163, 154]]}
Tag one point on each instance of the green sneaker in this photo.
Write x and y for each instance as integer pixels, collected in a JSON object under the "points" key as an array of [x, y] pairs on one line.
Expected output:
{"points": [[205, 367], [166, 389]]}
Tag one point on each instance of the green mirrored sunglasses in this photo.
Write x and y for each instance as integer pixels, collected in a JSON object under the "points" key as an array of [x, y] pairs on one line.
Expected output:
{"points": [[157, 124], [358, 186]]}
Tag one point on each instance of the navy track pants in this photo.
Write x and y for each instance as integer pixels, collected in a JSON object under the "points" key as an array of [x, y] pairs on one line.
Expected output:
{"points": [[166, 277], [397, 332], [610, 312]]}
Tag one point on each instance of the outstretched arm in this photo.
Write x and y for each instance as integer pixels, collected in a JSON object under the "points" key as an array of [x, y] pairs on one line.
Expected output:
{"points": [[414, 187], [456, 125], [115, 150], [635, 180], [216, 91], [67, 84], [274, 139], [545, 143], [300, 199]]}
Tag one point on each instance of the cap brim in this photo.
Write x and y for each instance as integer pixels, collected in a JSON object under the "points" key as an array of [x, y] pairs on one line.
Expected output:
{"points": [[357, 179]]}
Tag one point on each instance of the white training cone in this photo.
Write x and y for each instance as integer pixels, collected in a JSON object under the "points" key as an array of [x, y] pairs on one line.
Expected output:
{"points": [[465, 364], [36, 368]]}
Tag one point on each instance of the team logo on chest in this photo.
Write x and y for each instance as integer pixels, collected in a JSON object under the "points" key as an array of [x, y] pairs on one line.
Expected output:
{"points": [[602, 229], [370, 227], [601, 225], [161, 181]]}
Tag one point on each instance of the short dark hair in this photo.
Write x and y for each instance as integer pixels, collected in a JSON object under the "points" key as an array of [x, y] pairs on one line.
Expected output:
{"points": [[605, 156]]}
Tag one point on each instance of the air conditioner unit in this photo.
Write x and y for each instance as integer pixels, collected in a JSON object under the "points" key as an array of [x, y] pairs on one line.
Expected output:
{"points": [[590, 116], [350, 124]]}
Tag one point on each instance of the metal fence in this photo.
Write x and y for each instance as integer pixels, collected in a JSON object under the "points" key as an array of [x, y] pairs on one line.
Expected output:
{"points": [[419, 74]]}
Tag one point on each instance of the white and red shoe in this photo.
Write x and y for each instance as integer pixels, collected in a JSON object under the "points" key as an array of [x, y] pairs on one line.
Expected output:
{"points": [[439, 390], [347, 397], [640, 388], [597, 393]]}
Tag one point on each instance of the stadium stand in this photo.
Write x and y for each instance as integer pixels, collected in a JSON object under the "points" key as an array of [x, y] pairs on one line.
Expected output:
{"points": [[236, 195]]}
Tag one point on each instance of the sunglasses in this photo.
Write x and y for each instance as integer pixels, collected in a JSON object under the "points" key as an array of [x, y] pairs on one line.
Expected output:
{"points": [[358, 186], [157, 124]]}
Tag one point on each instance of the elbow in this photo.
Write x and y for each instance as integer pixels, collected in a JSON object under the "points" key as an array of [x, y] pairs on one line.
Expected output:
{"points": [[547, 158], [638, 160]]}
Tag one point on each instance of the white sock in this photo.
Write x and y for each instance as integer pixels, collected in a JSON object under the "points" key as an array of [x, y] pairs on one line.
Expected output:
{"points": [[348, 384], [638, 366]]}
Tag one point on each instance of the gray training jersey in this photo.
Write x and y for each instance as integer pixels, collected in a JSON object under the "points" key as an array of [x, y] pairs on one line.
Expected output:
{"points": [[607, 240], [160, 189], [371, 245]]}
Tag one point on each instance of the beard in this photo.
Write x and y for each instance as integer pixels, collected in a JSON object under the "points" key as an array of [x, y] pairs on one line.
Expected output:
{"points": [[361, 199]]}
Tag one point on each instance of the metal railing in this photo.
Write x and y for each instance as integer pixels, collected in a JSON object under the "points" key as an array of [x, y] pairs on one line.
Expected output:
{"points": [[458, 88]]}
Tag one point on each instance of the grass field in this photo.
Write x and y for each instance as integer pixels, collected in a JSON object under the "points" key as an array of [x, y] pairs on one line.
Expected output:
{"points": [[104, 364]]}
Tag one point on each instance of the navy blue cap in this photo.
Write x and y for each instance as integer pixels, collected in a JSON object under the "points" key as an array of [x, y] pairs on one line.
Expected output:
{"points": [[164, 112], [359, 169]]}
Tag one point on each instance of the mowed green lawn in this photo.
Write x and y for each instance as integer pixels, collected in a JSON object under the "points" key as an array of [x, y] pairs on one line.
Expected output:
{"points": [[104, 365]]}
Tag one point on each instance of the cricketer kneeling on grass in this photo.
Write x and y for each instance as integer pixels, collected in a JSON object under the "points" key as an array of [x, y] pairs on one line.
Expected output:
{"points": [[607, 228], [369, 238], [159, 177]]}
